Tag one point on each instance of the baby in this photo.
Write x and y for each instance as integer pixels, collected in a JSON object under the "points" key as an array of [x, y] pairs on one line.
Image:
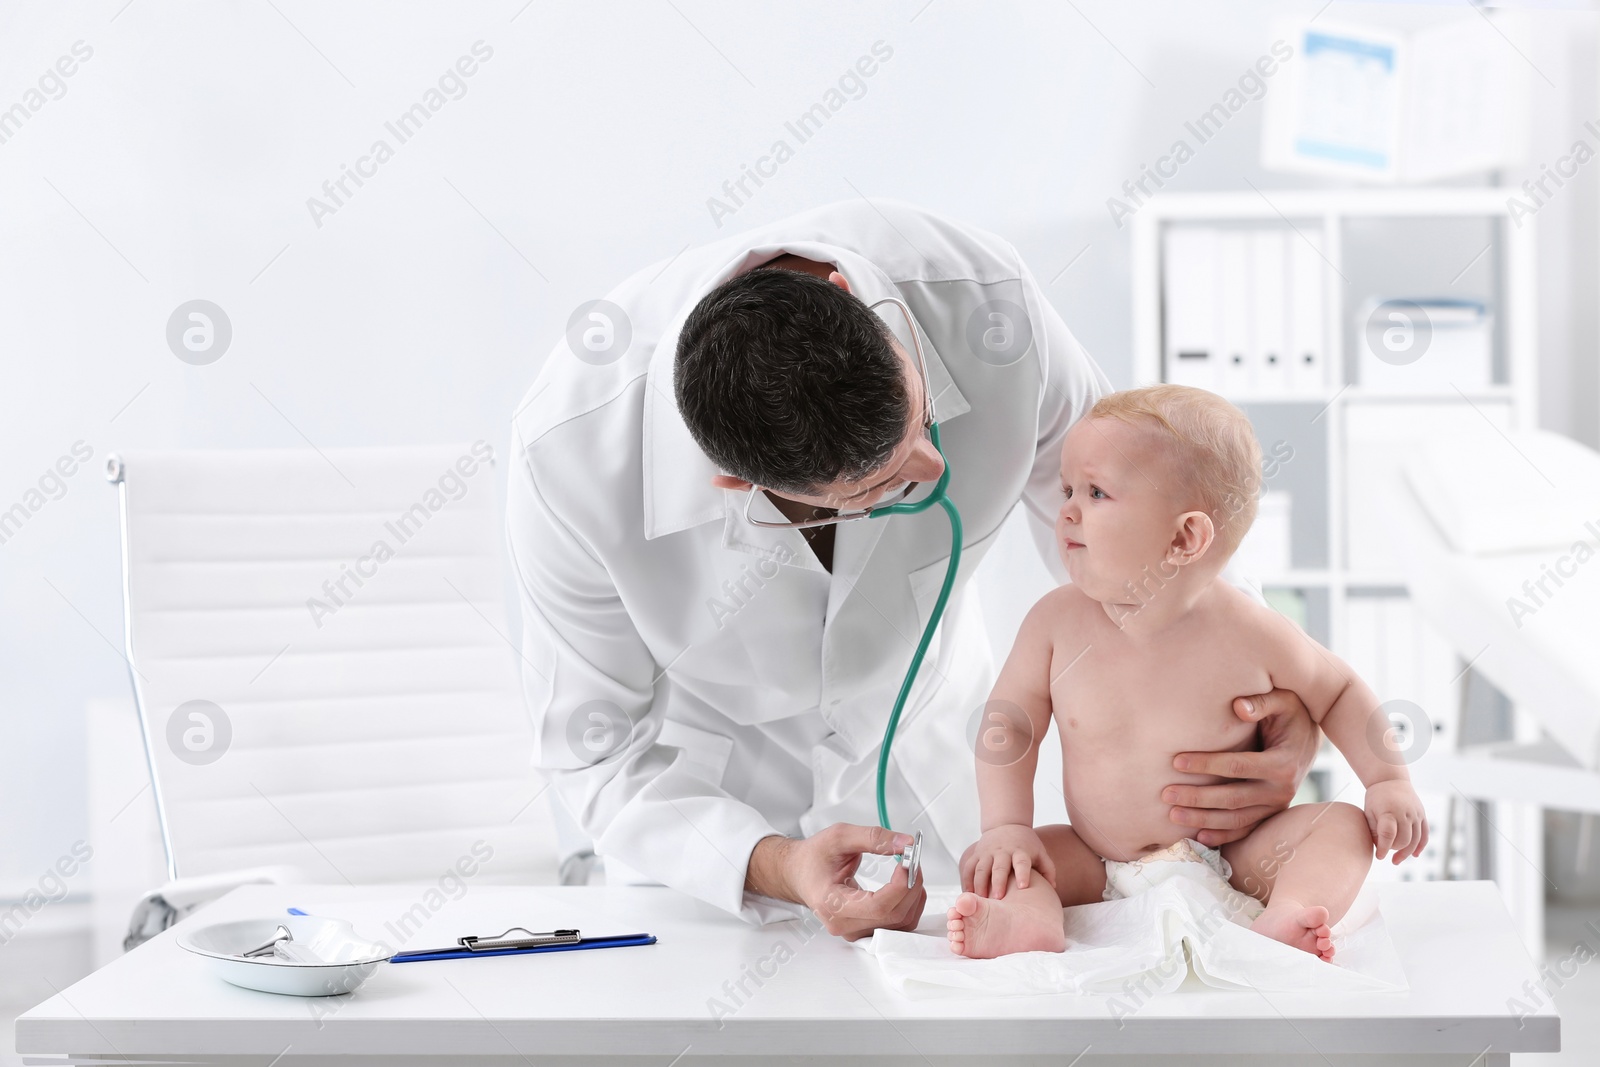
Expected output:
{"points": [[1139, 659]]}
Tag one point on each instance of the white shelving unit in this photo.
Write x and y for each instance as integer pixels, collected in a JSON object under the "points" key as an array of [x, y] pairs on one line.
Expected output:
{"points": [[1327, 212], [1325, 216]]}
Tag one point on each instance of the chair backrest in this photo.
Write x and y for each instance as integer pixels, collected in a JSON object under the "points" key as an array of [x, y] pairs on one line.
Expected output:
{"points": [[321, 662]]}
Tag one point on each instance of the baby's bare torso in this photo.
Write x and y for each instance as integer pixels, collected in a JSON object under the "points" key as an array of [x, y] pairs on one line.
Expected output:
{"points": [[1125, 705]]}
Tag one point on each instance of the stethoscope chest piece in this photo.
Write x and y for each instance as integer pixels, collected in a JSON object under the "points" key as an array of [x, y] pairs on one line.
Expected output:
{"points": [[911, 858]]}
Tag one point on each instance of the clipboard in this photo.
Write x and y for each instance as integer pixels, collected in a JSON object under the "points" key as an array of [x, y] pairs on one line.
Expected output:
{"points": [[471, 947]]}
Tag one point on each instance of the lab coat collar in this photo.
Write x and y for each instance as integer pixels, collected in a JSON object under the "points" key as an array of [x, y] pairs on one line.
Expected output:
{"points": [[678, 492]]}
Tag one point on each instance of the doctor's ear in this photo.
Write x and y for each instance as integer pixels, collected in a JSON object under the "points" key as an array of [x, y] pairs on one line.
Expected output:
{"points": [[839, 279], [1195, 533], [728, 481]]}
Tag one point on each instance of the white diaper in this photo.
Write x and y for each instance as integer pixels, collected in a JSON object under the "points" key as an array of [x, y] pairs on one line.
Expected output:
{"points": [[1187, 859]]}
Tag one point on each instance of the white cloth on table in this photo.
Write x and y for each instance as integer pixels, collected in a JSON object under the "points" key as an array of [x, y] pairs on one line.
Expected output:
{"points": [[1147, 943]]}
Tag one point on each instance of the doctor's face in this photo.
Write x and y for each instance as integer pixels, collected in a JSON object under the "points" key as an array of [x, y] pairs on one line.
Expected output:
{"points": [[913, 460]]}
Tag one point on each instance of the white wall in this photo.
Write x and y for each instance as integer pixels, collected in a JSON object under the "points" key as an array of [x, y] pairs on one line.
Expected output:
{"points": [[179, 161]]}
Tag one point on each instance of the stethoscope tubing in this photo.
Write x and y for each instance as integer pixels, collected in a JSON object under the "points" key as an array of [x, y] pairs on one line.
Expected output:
{"points": [[942, 498]]}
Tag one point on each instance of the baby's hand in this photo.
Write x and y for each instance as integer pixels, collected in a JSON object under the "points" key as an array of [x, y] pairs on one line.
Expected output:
{"points": [[1001, 852], [1397, 820]]}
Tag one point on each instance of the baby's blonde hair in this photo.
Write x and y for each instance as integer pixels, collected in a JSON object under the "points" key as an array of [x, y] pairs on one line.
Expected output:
{"points": [[1212, 444]]}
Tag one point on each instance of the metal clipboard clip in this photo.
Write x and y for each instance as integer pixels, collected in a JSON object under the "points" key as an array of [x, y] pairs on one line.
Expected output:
{"points": [[533, 940]]}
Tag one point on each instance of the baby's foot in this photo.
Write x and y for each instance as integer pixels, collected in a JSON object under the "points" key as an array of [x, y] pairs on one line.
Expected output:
{"points": [[981, 929], [1304, 928]]}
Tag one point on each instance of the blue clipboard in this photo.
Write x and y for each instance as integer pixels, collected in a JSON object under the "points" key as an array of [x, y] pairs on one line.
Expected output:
{"points": [[467, 948]]}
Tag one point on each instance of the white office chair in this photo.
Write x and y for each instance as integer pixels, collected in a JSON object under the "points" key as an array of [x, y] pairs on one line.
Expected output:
{"points": [[323, 674]]}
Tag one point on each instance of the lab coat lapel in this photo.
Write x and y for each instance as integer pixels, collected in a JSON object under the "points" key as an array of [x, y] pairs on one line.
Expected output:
{"points": [[872, 627], [852, 546], [782, 545]]}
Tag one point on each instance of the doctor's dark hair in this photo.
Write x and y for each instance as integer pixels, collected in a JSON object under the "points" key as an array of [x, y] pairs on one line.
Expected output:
{"points": [[789, 382]]}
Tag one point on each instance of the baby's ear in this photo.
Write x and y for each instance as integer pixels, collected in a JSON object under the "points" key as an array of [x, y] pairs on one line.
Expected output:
{"points": [[1193, 538]]}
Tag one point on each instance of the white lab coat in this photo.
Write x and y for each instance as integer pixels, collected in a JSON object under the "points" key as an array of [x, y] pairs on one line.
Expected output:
{"points": [[757, 685]]}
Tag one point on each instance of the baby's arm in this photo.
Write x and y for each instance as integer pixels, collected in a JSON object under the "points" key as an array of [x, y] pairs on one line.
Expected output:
{"points": [[1014, 722], [1349, 713]]}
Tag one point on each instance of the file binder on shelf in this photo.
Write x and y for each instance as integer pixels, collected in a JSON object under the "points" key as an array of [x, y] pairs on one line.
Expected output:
{"points": [[1189, 283], [1307, 345], [1234, 284], [1269, 264], [1243, 310]]}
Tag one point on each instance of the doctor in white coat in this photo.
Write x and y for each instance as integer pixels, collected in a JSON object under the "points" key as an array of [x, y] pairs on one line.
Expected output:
{"points": [[709, 694]]}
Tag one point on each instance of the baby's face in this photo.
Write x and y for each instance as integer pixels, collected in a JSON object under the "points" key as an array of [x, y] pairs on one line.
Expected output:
{"points": [[1118, 515]]}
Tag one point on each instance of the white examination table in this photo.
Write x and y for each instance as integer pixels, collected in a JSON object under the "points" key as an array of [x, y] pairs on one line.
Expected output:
{"points": [[815, 997], [1475, 520]]}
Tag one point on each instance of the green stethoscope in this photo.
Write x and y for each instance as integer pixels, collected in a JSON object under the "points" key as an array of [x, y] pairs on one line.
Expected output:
{"points": [[911, 856]]}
